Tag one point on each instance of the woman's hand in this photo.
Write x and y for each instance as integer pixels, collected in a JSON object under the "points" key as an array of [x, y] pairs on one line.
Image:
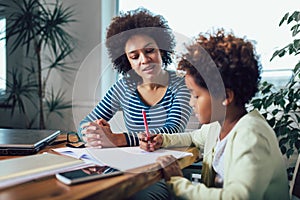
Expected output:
{"points": [[152, 145], [98, 134], [169, 166]]}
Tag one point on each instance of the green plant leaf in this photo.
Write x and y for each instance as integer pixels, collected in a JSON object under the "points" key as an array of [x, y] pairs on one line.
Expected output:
{"points": [[38, 25], [256, 103], [289, 152], [283, 141], [285, 17], [282, 103], [55, 103], [270, 100], [275, 111], [295, 30], [271, 121], [265, 115], [297, 42], [266, 87], [283, 149], [296, 69], [22, 23], [296, 16], [19, 90], [293, 17], [297, 144], [52, 33]]}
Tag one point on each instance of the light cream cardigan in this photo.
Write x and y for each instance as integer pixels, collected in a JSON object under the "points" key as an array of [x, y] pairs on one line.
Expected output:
{"points": [[254, 168]]}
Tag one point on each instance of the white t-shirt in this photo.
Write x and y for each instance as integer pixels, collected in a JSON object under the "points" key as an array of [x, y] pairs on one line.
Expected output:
{"points": [[218, 160]]}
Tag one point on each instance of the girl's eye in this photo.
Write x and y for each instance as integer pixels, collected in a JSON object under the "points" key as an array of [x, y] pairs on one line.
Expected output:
{"points": [[196, 97]]}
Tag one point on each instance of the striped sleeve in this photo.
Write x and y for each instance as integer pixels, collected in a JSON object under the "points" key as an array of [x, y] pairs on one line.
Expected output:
{"points": [[107, 107]]}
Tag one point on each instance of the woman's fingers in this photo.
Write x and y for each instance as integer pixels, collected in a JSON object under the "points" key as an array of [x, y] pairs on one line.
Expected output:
{"points": [[91, 135], [102, 122], [93, 140]]}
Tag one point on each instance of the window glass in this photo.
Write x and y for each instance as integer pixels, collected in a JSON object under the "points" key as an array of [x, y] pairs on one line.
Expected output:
{"points": [[257, 20], [2, 57]]}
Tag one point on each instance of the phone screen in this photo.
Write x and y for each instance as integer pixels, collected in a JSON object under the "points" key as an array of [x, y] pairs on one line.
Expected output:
{"points": [[86, 174], [95, 170]]}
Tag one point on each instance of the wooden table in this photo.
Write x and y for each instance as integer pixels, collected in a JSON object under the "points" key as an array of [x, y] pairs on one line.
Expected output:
{"points": [[118, 187]]}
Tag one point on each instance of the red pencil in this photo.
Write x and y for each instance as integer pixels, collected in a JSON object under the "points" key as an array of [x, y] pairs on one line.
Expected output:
{"points": [[146, 125]]}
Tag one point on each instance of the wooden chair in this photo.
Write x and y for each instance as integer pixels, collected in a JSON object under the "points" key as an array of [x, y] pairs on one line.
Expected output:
{"points": [[295, 183]]}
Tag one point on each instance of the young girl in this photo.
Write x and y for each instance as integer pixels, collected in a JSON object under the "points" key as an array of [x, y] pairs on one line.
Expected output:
{"points": [[241, 158]]}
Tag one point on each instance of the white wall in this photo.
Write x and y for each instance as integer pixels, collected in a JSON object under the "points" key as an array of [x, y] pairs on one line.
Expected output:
{"points": [[88, 81], [86, 85]]}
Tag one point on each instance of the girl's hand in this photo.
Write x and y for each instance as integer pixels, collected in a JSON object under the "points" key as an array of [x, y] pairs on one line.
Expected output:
{"points": [[155, 142], [169, 166]]}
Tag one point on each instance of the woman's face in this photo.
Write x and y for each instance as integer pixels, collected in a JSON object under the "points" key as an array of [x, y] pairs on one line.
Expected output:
{"points": [[200, 100], [144, 56]]}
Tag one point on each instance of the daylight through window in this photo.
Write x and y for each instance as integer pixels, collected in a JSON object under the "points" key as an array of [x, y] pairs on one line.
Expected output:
{"points": [[256, 20], [2, 57]]}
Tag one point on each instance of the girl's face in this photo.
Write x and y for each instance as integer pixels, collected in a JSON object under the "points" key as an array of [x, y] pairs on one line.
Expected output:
{"points": [[200, 100], [144, 56]]}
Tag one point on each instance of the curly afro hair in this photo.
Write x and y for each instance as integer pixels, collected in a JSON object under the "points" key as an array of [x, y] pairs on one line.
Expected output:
{"points": [[138, 22], [235, 59]]}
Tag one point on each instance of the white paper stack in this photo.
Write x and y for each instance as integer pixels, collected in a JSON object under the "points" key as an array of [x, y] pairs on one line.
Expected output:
{"points": [[22, 169]]}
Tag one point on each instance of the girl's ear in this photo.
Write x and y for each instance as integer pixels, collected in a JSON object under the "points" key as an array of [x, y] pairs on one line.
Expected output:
{"points": [[229, 97]]}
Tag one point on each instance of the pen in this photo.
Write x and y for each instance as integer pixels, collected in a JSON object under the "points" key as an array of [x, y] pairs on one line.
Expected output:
{"points": [[146, 125]]}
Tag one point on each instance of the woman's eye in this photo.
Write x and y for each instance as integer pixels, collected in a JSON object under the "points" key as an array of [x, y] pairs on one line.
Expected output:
{"points": [[195, 97], [133, 57], [150, 50]]}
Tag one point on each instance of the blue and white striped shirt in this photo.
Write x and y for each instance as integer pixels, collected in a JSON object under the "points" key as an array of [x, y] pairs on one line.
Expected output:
{"points": [[169, 115]]}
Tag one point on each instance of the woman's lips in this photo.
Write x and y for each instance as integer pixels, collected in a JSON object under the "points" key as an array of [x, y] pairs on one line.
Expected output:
{"points": [[148, 68]]}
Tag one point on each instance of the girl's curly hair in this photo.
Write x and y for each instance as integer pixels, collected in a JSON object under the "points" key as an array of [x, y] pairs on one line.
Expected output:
{"points": [[138, 22], [236, 61]]}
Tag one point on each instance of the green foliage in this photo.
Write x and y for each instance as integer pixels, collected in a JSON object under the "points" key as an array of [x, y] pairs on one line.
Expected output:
{"points": [[35, 24], [21, 89], [38, 25], [281, 107], [55, 103]]}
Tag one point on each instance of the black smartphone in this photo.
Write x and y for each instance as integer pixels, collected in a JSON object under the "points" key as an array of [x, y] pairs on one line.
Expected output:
{"points": [[87, 174]]}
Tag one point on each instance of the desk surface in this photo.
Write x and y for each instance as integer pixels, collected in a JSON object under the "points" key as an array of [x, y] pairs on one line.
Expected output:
{"points": [[118, 187]]}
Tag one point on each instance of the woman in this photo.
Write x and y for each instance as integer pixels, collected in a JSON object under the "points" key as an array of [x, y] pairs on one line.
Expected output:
{"points": [[140, 45], [241, 158]]}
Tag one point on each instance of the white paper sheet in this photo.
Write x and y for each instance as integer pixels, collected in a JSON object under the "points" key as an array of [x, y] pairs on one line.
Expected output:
{"points": [[79, 153], [123, 158], [126, 158]]}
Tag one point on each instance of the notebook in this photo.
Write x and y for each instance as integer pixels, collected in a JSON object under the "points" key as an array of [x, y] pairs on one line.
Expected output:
{"points": [[26, 168], [25, 141]]}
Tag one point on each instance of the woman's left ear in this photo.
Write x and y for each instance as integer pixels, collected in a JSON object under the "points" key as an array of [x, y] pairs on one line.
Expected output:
{"points": [[229, 97]]}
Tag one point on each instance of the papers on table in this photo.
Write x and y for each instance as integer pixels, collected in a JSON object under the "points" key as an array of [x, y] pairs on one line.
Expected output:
{"points": [[123, 158], [23, 169], [79, 153]]}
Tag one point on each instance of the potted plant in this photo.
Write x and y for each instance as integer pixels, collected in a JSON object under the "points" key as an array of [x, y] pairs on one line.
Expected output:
{"points": [[281, 106], [38, 27]]}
